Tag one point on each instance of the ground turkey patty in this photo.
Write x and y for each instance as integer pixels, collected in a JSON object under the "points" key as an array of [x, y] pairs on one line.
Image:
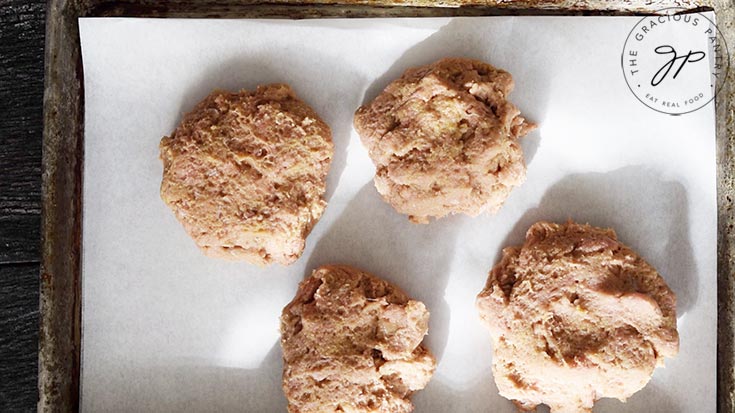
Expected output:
{"points": [[352, 343], [245, 174], [575, 316], [444, 139]]}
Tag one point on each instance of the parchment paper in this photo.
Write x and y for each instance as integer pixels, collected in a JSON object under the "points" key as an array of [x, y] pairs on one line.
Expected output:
{"points": [[167, 329]]}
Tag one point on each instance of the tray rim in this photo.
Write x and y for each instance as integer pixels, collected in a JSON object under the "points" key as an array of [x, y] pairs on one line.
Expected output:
{"points": [[63, 152]]}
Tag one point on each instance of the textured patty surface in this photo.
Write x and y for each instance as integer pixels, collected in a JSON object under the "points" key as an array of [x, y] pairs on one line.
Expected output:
{"points": [[575, 316], [444, 139], [245, 174], [352, 343]]}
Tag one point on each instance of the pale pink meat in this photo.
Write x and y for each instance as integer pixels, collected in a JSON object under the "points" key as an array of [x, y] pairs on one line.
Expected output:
{"points": [[352, 343], [444, 139], [575, 316], [245, 174]]}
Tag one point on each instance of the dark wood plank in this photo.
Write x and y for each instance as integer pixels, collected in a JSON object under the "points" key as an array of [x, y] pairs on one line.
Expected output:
{"points": [[19, 238], [21, 125], [18, 337], [21, 100]]}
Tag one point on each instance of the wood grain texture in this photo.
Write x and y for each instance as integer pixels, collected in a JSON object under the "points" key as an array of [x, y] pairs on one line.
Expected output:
{"points": [[19, 337], [19, 238], [21, 105], [21, 96]]}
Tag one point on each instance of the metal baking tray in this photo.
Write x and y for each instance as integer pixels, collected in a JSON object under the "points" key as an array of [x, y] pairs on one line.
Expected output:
{"points": [[63, 151]]}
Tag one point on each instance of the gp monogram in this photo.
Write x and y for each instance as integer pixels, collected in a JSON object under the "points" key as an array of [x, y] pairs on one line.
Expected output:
{"points": [[674, 63]]}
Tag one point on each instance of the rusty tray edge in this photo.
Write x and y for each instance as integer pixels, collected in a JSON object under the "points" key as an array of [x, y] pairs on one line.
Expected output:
{"points": [[63, 153]]}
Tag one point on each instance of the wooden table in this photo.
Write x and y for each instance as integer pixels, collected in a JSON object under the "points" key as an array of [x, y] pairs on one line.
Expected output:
{"points": [[22, 26]]}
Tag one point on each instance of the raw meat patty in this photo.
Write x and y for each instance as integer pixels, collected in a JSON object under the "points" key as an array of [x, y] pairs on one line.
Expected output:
{"points": [[245, 173], [444, 139], [575, 316], [352, 343]]}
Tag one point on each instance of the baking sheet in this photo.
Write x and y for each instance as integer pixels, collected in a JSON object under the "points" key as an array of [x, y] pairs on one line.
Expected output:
{"points": [[167, 329]]}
